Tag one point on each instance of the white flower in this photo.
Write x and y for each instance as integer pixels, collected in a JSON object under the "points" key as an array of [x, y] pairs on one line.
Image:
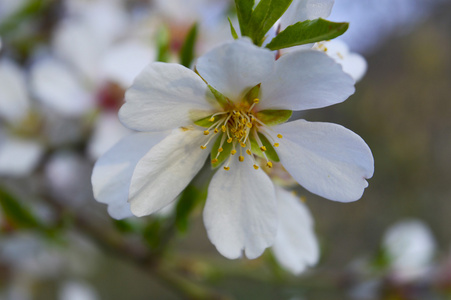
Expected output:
{"points": [[410, 247], [241, 209], [18, 155], [295, 247], [353, 63]]}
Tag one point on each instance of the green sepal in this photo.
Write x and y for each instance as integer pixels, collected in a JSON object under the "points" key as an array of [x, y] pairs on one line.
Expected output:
{"points": [[273, 117], [224, 154], [264, 16], [232, 30], [204, 122], [252, 94], [309, 31], [220, 98], [270, 151], [188, 48], [244, 13]]}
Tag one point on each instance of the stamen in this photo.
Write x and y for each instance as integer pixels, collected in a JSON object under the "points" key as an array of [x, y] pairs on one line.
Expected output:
{"points": [[233, 152], [203, 147], [248, 151], [269, 164], [226, 168], [241, 158], [263, 148], [220, 150], [214, 160], [280, 136], [276, 144], [206, 132], [229, 140], [255, 167]]}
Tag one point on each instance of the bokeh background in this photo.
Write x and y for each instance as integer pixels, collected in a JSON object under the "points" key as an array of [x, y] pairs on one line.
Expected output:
{"points": [[401, 108]]}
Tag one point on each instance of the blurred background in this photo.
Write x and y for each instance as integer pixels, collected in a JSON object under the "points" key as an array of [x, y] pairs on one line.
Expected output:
{"points": [[64, 67]]}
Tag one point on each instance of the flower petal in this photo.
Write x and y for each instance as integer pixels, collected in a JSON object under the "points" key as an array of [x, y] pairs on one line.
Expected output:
{"points": [[14, 101], [235, 67], [165, 96], [166, 170], [113, 172], [301, 10], [241, 210], [57, 86], [296, 246], [123, 62], [326, 159], [18, 157], [305, 80]]}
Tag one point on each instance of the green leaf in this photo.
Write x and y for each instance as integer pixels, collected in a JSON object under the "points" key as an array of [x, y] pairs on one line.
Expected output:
{"points": [[227, 148], [222, 100], [252, 94], [188, 48], [270, 151], [29, 10], [17, 214], [244, 13], [232, 30], [163, 44], [188, 201], [273, 117], [264, 16], [310, 31]]}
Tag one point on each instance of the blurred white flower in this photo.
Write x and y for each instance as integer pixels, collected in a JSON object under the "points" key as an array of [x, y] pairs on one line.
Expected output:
{"points": [[325, 158], [93, 61], [76, 290], [410, 247], [18, 154], [295, 247]]}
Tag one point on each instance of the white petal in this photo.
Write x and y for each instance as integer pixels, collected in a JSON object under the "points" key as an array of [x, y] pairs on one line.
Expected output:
{"points": [[113, 172], [166, 170], [123, 62], [18, 157], [326, 159], [353, 64], [73, 290], [75, 43], [234, 67], [301, 10], [305, 80], [296, 246], [57, 86], [164, 96], [107, 132], [14, 101], [241, 210]]}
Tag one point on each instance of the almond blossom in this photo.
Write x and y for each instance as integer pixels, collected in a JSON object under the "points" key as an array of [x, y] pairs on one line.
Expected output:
{"points": [[233, 109]]}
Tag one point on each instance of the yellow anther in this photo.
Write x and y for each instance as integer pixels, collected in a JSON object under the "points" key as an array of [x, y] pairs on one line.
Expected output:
{"points": [[216, 130], [241, 158], [226, 168], [206, 132], [276, 144], [255, 167], [233, 130], [233, 152], [256, 100], [269, 164], [263, 148], [249, 125], [243, 145], [279, 136], [248, 152], [220, 150], [214, 160], [223, 128], [203, 147], [212, 119], [229, 140]]}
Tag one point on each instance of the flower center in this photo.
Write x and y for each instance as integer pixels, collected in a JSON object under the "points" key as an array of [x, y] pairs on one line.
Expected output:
{"points": [[239, 129]]}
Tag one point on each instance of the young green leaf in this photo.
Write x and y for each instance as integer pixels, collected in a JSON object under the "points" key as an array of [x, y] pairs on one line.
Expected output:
{"points": [[162, 42], [232, 30], [244, 12], [17, 214], [189, 198], [188, 48], [310, 31], [264, 16]]}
